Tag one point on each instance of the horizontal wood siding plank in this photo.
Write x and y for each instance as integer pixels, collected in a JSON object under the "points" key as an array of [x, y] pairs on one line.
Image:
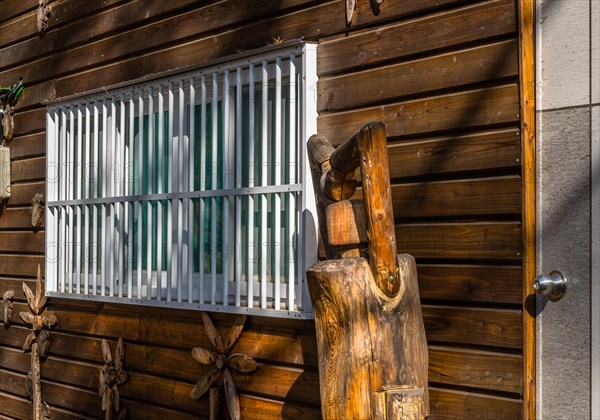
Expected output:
{"points": [[12, 8], [487, 196], [17, 218], [472, 241], [22, 194], [485, 151], [470, 283], [485, 327], [386, 83], [20, 265], [22, 242], [22, 147], [63, 11], [448, 404], [440, 30], [468, 109], [28, 169], [476, 369]]}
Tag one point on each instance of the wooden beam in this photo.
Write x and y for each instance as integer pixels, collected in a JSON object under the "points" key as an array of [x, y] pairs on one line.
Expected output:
{"points": [[526, 16]]}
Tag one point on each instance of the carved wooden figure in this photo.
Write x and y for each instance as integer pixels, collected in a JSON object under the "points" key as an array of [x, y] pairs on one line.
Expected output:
{"points": [[111, 376], [42, 17], [373, 356], [37, 210], [38, 341], [223, 361], [7, 308]]}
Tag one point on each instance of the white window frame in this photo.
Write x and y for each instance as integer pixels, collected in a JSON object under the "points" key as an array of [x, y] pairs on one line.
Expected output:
{"points": [[95, 132]]}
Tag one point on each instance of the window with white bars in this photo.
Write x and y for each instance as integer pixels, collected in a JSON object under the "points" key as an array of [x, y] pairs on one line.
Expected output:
{"points": [[191, 190]]}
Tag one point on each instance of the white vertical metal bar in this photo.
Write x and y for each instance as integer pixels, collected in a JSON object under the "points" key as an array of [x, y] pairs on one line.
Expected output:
{"points": [[190, 159], [238, 184], [50, 263], [264, 181], [213, 186], [105, 179], [292, 138], [171, 188], [86, 167], [149, 238], [225, 166], [129, 190], [140, 176], [71, 195], [160, 189], [63, 170], [251, 175], [276, 247], [202, 187], [113, 179], [308, 126], [121, 207], [181, 185], [96, 193], [77, 167]]}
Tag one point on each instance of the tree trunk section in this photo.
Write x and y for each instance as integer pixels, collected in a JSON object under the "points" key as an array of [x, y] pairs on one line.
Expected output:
{"points": [[372, 349]]}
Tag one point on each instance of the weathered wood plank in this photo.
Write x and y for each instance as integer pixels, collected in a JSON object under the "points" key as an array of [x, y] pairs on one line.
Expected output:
{"points": [[28, 169], [387, 83], [29, 122], [474, 108], [23, 147], [476, 369], [470, 283], [63, 11], [20, 265], [486, 327], [17, 218], [22, 242], [22, 194], [439, 30], [486, 150], [12, 8], [474, 197], [469, 241], [459, 405], [201, 21]]}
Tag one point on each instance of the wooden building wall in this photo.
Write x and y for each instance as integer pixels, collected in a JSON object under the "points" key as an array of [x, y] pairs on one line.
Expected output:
{"points": [[443, 75]]}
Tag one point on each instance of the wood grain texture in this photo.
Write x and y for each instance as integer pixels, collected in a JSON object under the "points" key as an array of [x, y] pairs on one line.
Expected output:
{"points": [[22, 194], [476, 369], [24, 147], [28, 169], [367, 340], [22, 242], [484, 151], [394, 81], [12, 8], [20, 265], [527, 20], [406, 38], [470, 283], [17, 219], [474, 108], [472, 241], [460, 405]]}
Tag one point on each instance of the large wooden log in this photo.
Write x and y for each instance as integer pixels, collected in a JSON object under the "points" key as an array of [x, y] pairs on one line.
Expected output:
{"points": [[372, 347]]}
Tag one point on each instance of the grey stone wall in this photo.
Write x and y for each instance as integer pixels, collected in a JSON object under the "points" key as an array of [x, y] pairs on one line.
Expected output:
{"points": [[568, 206]]}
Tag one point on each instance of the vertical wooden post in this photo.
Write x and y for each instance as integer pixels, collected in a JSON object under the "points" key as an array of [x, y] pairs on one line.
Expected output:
{"points": [[36, 381]]}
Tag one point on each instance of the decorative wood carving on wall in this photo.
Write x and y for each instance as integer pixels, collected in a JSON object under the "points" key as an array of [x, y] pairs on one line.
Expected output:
{"points": [[38, 341], [37, 210], [111, 376], [222, 361], [42, 17], [7, 308]]}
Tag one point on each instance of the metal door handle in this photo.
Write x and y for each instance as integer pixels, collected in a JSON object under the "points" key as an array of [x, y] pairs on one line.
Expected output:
{"points": [[553, 285]]}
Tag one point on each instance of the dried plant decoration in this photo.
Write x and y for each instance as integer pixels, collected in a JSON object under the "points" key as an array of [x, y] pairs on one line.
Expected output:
{"points": [[38, 341], [42, 17], [276, 41], [37, 210], [111, 376], [223, 362], [7, 308], [351, 6]]}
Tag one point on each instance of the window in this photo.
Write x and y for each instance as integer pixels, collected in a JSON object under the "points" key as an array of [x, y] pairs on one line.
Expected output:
{"points": [[190, 191]]}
